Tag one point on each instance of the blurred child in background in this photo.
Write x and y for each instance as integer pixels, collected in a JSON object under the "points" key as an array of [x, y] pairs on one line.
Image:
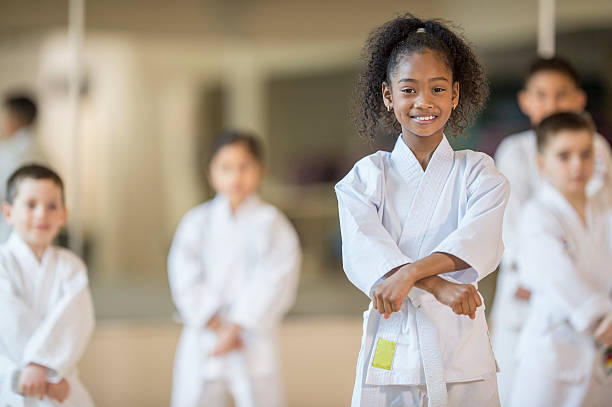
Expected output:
{"points": [[565, 253], [233, 269], [18, 147], [551, 85], [47, 315]]}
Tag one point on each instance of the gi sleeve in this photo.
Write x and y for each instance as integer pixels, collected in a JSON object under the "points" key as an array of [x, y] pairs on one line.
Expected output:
{"points": [[507, 159], [546, 264], [196, 300], [62, 336], [271, 291], [368, 250], [478, 237], [17, 321]]}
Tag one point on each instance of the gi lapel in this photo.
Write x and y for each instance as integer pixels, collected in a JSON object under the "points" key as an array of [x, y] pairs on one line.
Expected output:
{"points": [[424, 201]]}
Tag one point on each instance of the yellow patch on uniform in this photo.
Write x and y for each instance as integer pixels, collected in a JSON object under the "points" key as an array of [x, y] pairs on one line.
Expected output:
{"points": [[384, 354]]}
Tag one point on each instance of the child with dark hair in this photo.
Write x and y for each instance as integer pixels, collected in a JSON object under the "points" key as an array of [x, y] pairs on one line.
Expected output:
{"points": [[551, 85], [422, 225], [233, 269], [18, 146], [47, 314], [565, 251]]}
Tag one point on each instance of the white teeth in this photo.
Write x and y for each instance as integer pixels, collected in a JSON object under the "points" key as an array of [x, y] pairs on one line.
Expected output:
{"points": [[424, 118]]}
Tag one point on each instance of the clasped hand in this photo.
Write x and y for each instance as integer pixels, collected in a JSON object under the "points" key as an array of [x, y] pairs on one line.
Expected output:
{"points": [[388, 295], [33, 382], [228, 336]]}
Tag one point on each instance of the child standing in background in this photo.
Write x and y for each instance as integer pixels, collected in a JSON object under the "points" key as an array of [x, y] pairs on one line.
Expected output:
{"points": [[422, 225], [47, 314], [552, 85], [18, 147], [565, 250], [233, 269]]}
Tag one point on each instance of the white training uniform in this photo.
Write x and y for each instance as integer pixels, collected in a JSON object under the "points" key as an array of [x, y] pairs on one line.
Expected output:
{"points": [[47, 318], [392, 213], [15, 151], [243, 267], [516, 159], [568, 263]]}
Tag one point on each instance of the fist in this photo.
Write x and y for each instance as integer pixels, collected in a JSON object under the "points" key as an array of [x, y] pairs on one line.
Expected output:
{"points": [[463, 299], [603, 332], [58, 391], [33, 381]]}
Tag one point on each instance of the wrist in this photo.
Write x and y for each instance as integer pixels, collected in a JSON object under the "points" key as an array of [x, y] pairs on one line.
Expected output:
{"points": [[431, 284], [409, 273]]}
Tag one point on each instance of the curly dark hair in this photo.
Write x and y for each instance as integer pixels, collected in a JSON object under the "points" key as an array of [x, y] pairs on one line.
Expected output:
{"points": [[383, 50]]}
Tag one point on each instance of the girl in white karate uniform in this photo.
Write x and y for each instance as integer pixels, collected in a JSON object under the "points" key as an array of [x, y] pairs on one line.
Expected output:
{"points": [[46, 313], [565, 253], [421, 225], [233, 269]]}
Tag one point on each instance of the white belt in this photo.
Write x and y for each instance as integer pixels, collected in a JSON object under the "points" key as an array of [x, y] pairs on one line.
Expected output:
{"points": [[429, 347], [432, 360]]}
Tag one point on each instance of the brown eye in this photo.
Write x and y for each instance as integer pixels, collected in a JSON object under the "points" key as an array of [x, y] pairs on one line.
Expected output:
{"points": [[563, 156]]}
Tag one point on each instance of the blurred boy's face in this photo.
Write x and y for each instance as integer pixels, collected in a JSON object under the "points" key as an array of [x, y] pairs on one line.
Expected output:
{"points": [[549, 92], [235, 173], [567, 161], [37, 213]]}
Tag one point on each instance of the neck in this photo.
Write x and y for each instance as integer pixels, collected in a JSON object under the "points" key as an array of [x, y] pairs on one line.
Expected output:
{"points": [[422, 147], [578, 201], [38, 251], [237, 203]]}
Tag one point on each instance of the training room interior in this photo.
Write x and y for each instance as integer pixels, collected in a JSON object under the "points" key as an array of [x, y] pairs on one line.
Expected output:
{"points": [[132, 93]]}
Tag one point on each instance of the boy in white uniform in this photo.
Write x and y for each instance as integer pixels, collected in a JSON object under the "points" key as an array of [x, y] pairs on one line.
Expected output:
{"points": [[552, 85], [233, 269], [47, 315], [565, 251]]}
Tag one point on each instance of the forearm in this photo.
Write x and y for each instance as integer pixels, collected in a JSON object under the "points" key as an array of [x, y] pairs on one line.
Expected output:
{"points": [[422, 271]]}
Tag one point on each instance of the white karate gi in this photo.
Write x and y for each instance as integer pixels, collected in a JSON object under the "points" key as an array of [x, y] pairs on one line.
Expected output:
{"points": [[17, 150], [244, 268], [569, 265], [46, 318], [516, 159], [392, 213]]}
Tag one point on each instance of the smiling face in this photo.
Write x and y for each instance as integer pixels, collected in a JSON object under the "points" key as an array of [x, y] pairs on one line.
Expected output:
{"points": [[235, 173], [37, 213], [567, 161], [422, 94]]}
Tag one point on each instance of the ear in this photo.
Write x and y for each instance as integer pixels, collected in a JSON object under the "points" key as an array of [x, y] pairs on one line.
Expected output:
{"points": [[6, 211], [523, 101], [540, 162], [387, 95], [581, 100], [65, 217], [455, 96]]}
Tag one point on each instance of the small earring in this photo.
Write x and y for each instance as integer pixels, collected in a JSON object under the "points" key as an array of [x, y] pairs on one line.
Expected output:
{"points": [[389, 108], [454, 107]]}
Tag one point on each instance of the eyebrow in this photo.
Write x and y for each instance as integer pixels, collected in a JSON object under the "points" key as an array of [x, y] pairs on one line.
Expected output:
{"points": [[438, 78]]}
